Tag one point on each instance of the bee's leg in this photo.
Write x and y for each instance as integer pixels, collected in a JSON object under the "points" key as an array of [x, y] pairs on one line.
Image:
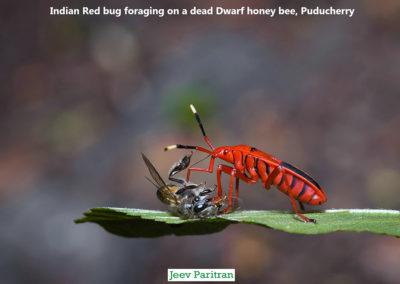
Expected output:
{"points": [[179, 166]]}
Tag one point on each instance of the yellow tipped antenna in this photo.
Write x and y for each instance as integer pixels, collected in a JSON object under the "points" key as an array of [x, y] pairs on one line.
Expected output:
{"points": [[193, 109], [179, 146], [198, 120], [170, 147]]}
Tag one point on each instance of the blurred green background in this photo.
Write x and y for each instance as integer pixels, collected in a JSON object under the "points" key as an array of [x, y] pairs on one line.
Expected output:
{"points": [[82, 97]]}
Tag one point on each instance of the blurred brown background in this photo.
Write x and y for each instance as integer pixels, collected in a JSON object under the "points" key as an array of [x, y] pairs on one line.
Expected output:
{"points": [[83, 96]]}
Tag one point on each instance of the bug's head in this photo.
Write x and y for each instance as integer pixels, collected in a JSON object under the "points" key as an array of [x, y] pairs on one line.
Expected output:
{"points": [[224, 153]]}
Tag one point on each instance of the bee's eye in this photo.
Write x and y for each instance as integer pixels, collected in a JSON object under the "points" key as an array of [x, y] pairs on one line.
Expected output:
{"points": [[205, 192], [199, 207]]}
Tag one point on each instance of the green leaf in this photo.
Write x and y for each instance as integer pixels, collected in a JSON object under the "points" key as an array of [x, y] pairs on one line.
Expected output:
{"points": [[137, 223]]}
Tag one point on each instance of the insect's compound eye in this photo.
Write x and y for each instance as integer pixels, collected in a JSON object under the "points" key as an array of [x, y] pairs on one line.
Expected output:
{"points": [[205, 192], [225, 151], [199, 207]]}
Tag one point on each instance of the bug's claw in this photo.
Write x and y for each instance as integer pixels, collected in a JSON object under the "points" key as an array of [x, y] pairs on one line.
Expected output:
{"points": [[309, 220]]}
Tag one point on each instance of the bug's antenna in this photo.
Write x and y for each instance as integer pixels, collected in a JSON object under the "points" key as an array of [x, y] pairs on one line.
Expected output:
{"points": [[200, 160], [179, 146], [201, 126]]}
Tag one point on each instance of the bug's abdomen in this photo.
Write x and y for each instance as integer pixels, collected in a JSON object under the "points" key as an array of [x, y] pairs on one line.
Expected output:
{"points": [[301, 185], [301, 190]]}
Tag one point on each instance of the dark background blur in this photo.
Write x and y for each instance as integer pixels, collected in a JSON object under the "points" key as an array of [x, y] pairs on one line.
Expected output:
{"points": [[83, 96]]}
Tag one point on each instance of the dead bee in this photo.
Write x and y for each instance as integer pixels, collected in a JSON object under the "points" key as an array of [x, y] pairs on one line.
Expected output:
{"points": [[203, 205], [186, 199]]}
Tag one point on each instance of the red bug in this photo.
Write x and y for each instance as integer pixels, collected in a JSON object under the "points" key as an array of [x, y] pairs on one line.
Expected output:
{"points": [[250, 165]]}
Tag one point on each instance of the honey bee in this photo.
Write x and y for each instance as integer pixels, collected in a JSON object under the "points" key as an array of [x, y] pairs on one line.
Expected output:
{"points": [[186, 199]]}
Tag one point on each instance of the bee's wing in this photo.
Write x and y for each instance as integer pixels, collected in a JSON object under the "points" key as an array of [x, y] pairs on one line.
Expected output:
{"points": [[160, 183], [153, 172], [152, 182]]}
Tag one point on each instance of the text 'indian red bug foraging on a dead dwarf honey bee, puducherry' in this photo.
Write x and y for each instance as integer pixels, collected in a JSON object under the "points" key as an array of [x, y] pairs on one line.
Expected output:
{"points": [[250, 165]]}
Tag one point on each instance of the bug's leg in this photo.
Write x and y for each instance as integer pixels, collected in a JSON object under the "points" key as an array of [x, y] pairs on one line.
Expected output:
{"points": [[301, 205], [243, 177], [209, 170], [237, 188], [235, 202], [272, 176], [233, 175], [219, 169], [229, 171], [296, 210], [250, 165], [178, 167], [271, 179]]}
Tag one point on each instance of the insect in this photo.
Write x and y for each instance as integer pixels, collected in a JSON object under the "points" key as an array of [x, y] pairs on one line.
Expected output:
{"points": [[187, 200], [251, 165]]}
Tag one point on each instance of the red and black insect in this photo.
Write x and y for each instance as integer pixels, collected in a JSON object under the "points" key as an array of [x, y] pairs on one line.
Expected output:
{"points": [[251, 165]]}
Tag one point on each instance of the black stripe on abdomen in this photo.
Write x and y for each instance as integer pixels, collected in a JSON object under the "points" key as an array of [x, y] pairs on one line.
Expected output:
{"points": [[267, 167], [301, 173], [302, 191], [256, 166], [293, 184], [282, 180]]}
